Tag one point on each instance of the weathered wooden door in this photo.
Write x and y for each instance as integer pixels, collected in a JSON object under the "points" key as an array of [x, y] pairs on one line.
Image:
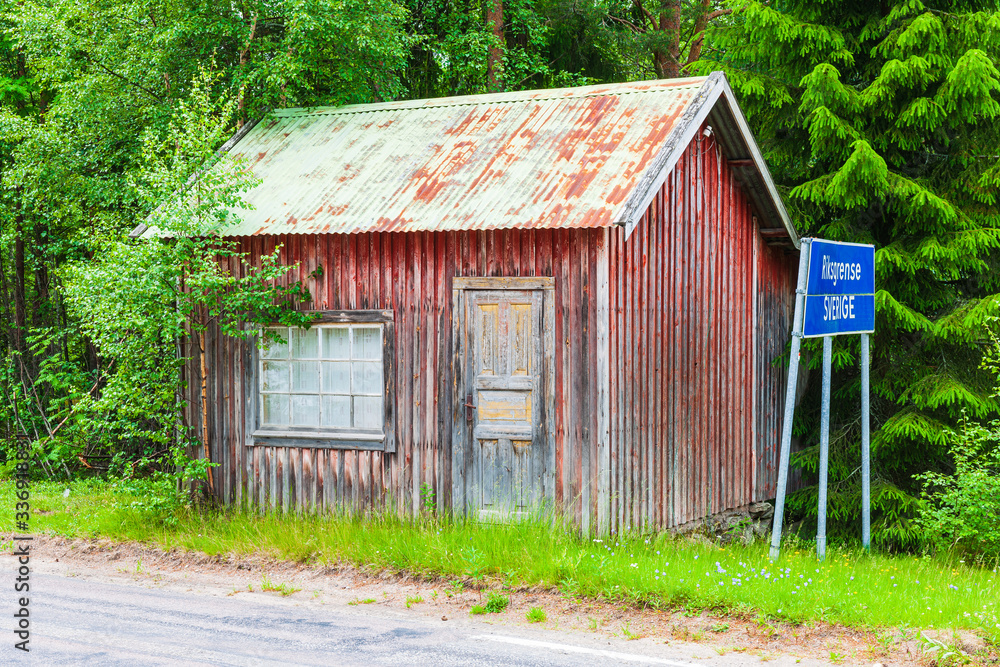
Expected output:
{"points": [[502, 365]]}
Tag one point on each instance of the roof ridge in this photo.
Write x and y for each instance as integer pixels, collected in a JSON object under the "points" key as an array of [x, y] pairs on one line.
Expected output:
{"points": [[478, 99]]}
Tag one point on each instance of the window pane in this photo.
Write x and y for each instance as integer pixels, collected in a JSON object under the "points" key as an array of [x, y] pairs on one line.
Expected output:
{"points": [[367, 412], [305, 410], [367, 343], [336, 343], [337, 377], [305, 343], [325, 377], [275, 409], [367, 377], [337, 411], [277, 350], [275, 376], [305, 376]]}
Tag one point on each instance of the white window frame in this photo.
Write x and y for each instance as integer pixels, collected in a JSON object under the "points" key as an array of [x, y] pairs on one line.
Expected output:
{"points": [[329, 437]]}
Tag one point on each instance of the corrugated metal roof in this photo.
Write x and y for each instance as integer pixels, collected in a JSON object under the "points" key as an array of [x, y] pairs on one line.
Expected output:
{"points": [[546, 158]]}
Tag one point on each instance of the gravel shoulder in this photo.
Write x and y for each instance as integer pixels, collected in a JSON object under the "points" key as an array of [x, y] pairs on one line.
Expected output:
{"points": [[699, 636]]}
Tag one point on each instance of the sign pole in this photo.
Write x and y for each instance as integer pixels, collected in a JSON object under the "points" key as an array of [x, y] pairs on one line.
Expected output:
{"points": [[786, 423], [866, 519], [834, 296], [824, 448]]}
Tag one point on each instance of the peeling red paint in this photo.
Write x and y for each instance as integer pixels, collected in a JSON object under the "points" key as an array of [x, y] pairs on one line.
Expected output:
{"points": [[700, 307]]}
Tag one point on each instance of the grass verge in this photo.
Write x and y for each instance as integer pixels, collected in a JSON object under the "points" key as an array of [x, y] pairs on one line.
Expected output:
{"points": [[850, 587]]}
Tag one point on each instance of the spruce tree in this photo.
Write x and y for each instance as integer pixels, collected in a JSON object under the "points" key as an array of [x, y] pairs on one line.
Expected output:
{"points": [[879, 121]]}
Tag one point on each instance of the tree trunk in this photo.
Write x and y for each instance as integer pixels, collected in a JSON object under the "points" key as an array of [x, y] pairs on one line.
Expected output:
{"points": [[666, 61], [700, 25], [241, 114], [204, 411], [699, 33], [5, 303], [494, 17], [20, 311]]}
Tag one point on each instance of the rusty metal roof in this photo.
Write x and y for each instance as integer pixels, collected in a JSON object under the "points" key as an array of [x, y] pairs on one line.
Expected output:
{"points": [[573, 157]]}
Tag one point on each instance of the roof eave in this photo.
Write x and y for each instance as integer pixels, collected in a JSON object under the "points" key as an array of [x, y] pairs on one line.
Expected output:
{"points": [[716, 102]]}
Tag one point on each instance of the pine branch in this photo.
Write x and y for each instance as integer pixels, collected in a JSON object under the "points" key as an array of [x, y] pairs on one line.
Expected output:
{"points": [[641, 31]]}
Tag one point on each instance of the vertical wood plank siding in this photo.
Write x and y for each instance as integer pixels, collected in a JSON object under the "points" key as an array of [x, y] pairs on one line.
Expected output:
{"points": [[700, 307], [775, 304], [668, 405], [411, 274]]}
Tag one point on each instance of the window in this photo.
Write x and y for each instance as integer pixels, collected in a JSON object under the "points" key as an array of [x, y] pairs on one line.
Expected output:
{"points": [[328, 385]]}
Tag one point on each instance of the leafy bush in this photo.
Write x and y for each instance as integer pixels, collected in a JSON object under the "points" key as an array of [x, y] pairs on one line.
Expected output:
{"points": [[158, 487], [960, 510], [496, 602], [536, 615]]}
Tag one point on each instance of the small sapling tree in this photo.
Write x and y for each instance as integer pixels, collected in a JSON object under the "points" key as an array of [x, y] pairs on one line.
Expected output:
{"points": [[146, 303]]}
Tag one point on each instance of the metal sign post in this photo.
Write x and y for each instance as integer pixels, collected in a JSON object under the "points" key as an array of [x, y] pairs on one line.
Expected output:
{"points": [[786, 422], [866, 522], [824, 447], [835, 295]]}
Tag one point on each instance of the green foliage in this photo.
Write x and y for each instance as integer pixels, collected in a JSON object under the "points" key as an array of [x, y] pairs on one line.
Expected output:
{"points": [[496, 602], [942, 652], [451, 51], [106, 116], [961, 505], [879, 122], [427, 500], [269, 586], [547, 43], [536, 615], [140, 300], [961, 509], [156, 487]]}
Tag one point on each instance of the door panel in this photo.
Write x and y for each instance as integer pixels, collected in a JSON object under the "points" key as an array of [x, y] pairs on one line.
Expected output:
{"points": [[505, 396], [505, 406]]}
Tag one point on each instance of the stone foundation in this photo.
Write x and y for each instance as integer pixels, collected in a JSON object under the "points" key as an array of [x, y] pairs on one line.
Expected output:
{"points": [[742, 525]]}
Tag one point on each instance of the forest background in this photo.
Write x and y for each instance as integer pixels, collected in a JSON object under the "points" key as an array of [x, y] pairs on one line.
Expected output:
{"points": [[878, 121]]}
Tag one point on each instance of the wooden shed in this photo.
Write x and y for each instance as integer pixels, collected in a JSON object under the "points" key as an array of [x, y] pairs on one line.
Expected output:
{"points": [[567, 298]]}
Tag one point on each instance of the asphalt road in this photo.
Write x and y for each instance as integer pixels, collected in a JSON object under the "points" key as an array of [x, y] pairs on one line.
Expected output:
{"points": [[79, 622]]}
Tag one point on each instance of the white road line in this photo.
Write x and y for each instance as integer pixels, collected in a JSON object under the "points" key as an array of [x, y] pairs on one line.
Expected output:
{"points": [[569, 648]]}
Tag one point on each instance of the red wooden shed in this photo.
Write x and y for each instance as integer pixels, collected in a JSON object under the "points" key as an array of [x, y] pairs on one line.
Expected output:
{"points": [[567, 298]]}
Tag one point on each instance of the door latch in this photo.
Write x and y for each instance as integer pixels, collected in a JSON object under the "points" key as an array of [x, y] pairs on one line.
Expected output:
{"points": [[470, 408]]}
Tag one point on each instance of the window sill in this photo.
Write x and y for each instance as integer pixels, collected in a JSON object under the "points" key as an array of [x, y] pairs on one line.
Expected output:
{"points": [[365, 440]]}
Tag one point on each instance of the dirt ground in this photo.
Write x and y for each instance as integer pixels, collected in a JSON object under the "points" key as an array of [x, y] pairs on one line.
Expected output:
{"points": [[704, 635]]}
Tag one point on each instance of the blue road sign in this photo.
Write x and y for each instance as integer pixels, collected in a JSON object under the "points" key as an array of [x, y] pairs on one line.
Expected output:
{"points": [[840, 289]]}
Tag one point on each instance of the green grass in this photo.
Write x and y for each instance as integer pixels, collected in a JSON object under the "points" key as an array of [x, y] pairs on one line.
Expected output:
{"points": [[851, 587], [269, 586], [536, 615]]}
